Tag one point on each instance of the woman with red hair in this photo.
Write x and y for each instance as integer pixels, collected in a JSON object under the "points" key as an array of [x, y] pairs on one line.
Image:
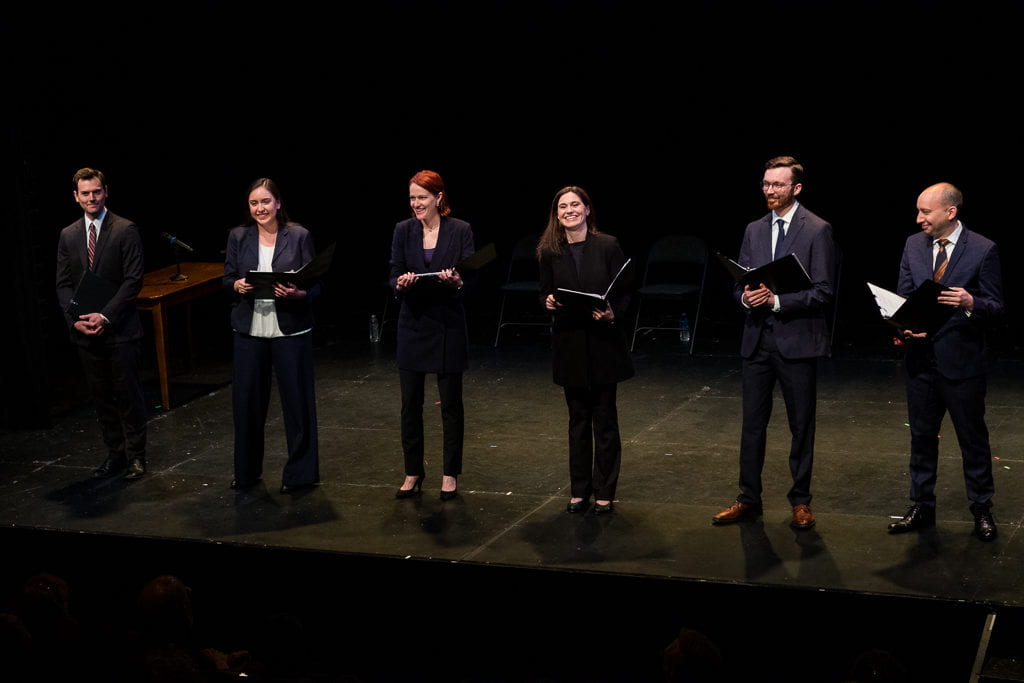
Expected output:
{"points": [[432, 337]]}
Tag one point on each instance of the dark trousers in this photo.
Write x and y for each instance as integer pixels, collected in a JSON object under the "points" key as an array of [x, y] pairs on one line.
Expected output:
{"points": [[291, 359], [798, 380], [449, 387], [929, 396], [595, 450], [112, 371]]}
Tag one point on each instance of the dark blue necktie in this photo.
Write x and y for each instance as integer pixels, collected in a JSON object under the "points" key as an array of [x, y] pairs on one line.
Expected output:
{"points": [[780, 240]]}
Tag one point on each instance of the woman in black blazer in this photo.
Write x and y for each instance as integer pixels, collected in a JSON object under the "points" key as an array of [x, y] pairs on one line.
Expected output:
{"points": [[590, 352], [272, 334], [432, 335]]}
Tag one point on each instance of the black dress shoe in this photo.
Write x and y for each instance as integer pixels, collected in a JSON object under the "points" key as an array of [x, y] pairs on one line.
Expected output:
{"points": [[917, 517], [578, 506], [984, 525], [111, 466], [136, 468], [603, 509], [240, 485]]}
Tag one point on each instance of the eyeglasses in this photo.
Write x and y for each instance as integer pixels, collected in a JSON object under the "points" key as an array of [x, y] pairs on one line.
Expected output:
{"points": [[774, 186]]}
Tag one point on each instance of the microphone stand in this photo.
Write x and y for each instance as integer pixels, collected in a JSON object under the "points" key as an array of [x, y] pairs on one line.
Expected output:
{"points": [[178, 276]]}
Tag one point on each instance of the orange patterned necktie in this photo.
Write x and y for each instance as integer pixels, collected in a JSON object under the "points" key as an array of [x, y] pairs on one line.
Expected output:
{"points": [[940, 260]]}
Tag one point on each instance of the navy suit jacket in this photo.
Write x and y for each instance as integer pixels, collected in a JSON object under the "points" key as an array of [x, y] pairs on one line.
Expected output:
{"points": [[586, 351], [432, 334], [293, 249], [801, 329], [958, 347], [118, 258]]}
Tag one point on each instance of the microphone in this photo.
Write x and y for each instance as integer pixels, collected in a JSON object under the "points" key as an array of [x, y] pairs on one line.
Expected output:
{"points": [[175, 241]]}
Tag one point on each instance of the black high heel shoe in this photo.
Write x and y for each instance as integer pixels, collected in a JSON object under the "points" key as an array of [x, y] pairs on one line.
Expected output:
{"points": [[414, 491], [450, 495]]}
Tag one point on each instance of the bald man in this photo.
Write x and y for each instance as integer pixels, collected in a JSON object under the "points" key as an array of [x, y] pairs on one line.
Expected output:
{"points": [[946, 371]]}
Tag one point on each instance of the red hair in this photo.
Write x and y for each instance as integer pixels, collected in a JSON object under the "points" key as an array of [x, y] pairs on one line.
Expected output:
{"points": [[431, 182]]}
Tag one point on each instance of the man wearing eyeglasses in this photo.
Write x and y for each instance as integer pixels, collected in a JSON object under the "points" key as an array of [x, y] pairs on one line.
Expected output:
{"points": [[784, 334]]}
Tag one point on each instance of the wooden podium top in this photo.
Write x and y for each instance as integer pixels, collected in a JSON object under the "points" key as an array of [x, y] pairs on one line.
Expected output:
{"points": [[158, 287]]}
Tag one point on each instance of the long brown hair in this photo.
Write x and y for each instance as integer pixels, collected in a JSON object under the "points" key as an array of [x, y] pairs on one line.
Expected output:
{"points": [[554, 234], [271, 186]]}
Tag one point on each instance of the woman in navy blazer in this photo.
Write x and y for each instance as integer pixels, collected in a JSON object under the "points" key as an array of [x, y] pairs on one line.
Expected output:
{"points": [[590, 353], [272, 334], [432, 335]]}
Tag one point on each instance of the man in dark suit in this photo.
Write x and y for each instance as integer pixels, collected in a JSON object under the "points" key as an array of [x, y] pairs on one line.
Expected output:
{"points": [[946, 370], [107, 339], [783, 336]]}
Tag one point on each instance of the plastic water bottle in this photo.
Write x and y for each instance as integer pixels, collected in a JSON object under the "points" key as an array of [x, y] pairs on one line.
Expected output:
{"points": [[374, 329], [684, 329]]}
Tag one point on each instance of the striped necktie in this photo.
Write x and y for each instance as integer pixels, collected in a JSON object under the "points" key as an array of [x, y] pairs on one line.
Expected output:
{"points": [[92, 243], [940, 260]]}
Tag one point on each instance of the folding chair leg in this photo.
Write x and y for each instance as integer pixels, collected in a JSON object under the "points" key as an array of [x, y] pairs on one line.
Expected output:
{"points": [[636, 322], [501, 316]]}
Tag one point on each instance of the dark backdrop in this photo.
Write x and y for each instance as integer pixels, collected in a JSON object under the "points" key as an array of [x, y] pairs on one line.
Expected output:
{"points": [[665, 112]]}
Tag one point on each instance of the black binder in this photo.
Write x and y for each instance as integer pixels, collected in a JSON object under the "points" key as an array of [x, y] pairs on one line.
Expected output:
{"points": [[919, 312], [783, 276], [263, 281], [91, 295]]}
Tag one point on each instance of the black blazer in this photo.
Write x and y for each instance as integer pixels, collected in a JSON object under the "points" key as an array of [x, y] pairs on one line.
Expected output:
{"points": [[432, 334], [588, 352], [801, 330], [118, 258], [958, 348], [293, 249]]}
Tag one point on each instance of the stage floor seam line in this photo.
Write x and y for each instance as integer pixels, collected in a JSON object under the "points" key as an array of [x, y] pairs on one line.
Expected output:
{"points": [[509, 527]]}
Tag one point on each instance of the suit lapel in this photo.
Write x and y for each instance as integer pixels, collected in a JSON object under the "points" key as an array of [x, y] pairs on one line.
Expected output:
{"points": [[927, 264], [444, 241], [958, 251], [795, 226], [101, 241], [280, 247], [80, 244], [414, 248], [249, 258], [765, 243]]}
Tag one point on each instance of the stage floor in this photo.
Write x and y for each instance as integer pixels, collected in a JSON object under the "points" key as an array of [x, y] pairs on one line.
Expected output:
{"points": [[680, 422]]}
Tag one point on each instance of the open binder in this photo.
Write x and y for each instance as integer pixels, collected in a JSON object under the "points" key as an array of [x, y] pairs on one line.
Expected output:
{"points": [[919, 312], [263, 281], [783, 276], [571, 295]]}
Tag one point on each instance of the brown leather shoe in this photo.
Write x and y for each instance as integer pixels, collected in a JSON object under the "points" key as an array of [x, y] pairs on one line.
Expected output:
{"points": [[803, 518], [738, 512]]}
